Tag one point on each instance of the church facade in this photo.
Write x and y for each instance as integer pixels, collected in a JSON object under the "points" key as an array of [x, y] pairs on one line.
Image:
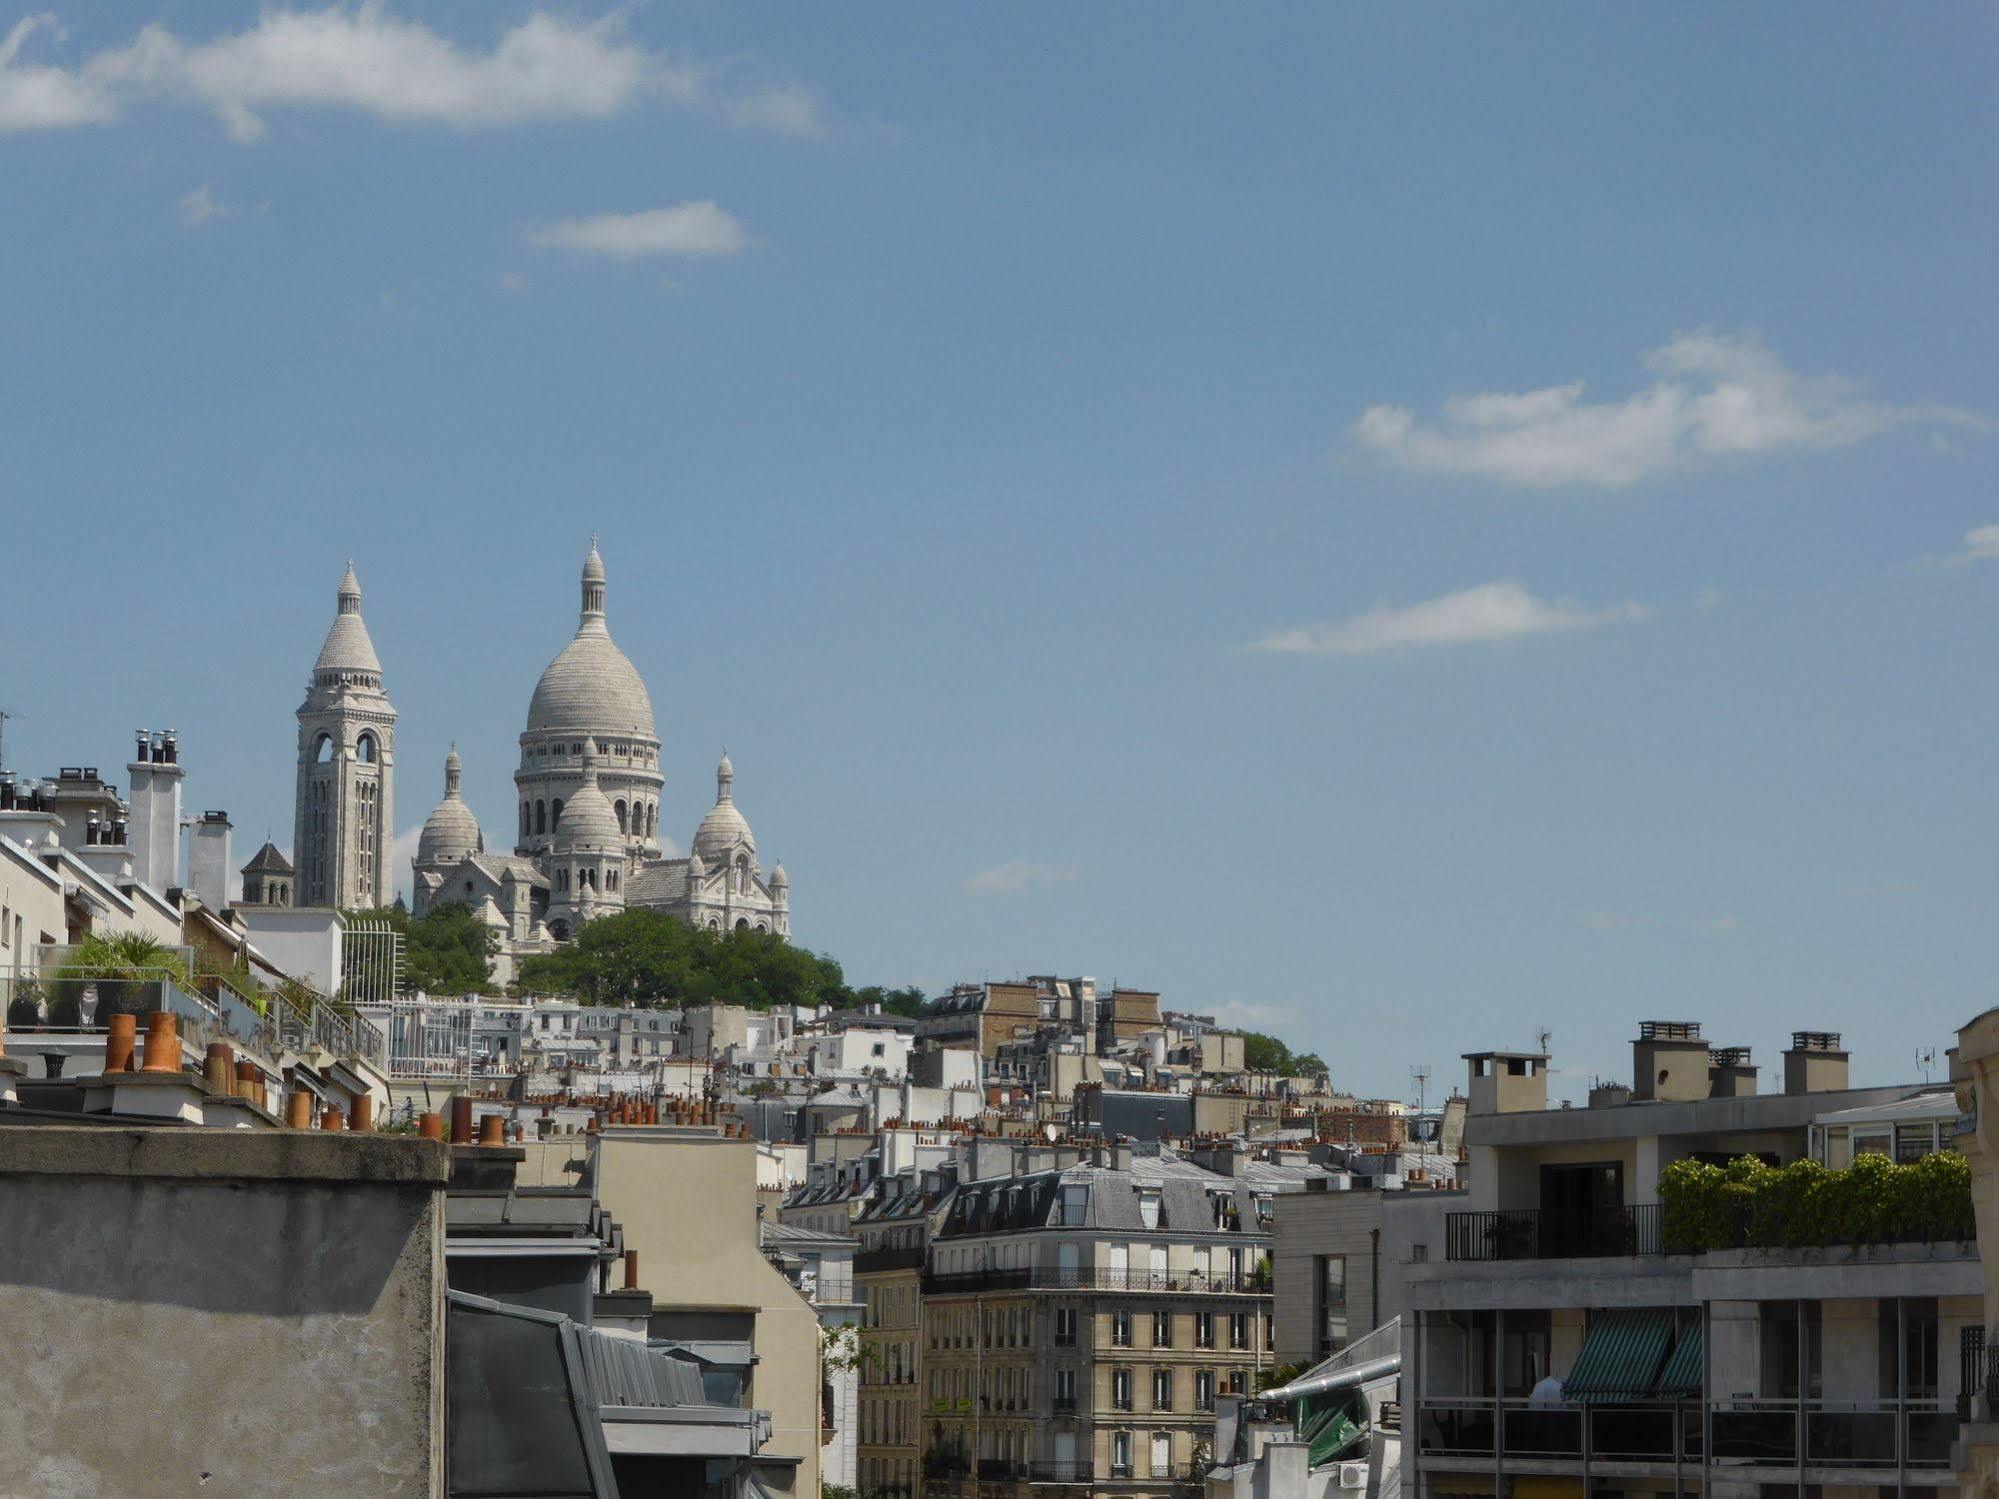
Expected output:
{"points": [[589, 790]]}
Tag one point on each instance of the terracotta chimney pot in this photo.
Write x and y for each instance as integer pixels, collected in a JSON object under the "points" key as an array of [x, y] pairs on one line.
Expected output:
{"points": [[118, 1043], [332, 1119], [298, 1110], [218, 1068], [364, 1112], [461, 1120], [162, 1043], [492, 1130], [430, 1126], [631, 1269]]}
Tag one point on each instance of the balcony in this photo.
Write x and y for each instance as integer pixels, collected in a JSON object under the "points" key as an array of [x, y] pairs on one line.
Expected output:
{"points": [[1046, 1278], [1662, 1431], [1834, 1434], [1532, 1234], [1059, 1472]]}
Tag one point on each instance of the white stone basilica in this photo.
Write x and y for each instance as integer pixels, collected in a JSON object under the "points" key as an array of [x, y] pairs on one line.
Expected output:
{"points": [[589, 785]]}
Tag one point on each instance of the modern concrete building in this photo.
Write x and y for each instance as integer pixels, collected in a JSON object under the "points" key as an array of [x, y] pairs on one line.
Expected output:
{"points": [[1563, 1344]]}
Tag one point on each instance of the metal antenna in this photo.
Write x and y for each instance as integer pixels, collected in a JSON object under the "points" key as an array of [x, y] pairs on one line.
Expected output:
{"points": [[4, 716]]}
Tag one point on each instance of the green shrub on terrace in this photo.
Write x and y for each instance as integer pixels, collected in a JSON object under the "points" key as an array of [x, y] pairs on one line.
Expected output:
{"points": [[1747, 1204]]}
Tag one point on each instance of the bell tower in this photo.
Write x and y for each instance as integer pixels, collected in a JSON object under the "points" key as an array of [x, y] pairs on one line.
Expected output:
{"points": [[345, 814]]}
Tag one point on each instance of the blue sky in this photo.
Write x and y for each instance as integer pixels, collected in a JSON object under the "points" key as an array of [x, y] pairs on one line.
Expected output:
{"points": [[1405, 527]]}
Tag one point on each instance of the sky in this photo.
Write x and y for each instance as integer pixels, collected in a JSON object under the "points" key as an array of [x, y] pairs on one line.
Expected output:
{"points": [[1404, 527]]}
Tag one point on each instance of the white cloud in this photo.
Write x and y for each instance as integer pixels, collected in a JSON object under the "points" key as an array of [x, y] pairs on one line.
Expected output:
{"points": [[1491, 611], [1716, 397], [1242, 1015], [39, 97], [1981, 544], [1015, 875], [363, 58], [198, 207], [694, 228]]}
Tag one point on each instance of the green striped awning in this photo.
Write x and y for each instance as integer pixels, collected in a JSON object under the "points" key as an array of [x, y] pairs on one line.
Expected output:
{"points": [[1681, 1378], [1621, 1356]]}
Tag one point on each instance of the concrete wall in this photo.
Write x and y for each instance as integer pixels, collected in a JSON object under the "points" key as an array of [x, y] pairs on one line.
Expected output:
{"points": [[1310, 1224], [687, 1202], [192, 1312]]}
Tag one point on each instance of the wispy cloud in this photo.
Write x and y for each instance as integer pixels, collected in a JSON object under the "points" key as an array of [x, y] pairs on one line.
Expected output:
{"points": [[198, 207], [1016, 875], [695, 228], [1491, 611], [1981, 544], [1716, 397], [365, 59]]}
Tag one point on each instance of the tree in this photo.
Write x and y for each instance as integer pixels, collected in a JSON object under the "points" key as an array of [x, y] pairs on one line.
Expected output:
{"points": [[448, 951], [651, 958], [905, 1002], [1261, 1053]]}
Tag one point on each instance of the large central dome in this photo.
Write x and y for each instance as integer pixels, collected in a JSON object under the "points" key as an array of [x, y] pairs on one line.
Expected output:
{"points": [[591, 687]]}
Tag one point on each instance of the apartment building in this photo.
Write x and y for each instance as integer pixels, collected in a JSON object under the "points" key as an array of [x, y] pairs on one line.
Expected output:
{"points": [[1568, 1342], [893, 1230], [1079, 1325]]}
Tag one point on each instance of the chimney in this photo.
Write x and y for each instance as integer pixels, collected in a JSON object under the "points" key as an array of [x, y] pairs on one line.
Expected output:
{"points": [[1730, 1074], [1507, 1082], [1669, 1061], [208, 863], [155, 833], [1815, 1063]]}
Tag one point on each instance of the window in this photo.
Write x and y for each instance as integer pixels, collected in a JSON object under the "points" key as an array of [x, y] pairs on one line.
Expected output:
{"points": [[1162, 1389], [1120, 1454], [1121, 1329], [1065, 1327], [1121, 1389], [364, 749], [1074, 1200], [1162, 1454], [1791, 1351], [1331, 1278], [1065, 1391], [1148, 1206], [1913, 1323], [1162, 1329], [1204, 1329], [1204, 1389], [1238, 1329]]}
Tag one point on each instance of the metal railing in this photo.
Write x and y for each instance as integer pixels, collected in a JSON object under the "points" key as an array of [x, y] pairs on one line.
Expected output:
{"points": [[1977, 1370], [1537, 1234], [888, 1259], [1661, 1431], [1061, 1471], [1046, 1278], [1834, 1433]]}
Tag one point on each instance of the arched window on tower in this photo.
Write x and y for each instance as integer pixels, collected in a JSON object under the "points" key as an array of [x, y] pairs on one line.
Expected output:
{"points": [[742, 924], [555, 813], [743, 873], [527, 820], [652, 820], [364, 749], [541, 817], [620, 809], [322, 749]]}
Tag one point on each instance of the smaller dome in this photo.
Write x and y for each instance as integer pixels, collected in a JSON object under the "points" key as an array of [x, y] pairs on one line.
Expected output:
{"points": [[593, 565], [778, 878], [697, 867], [452, 832], [587, 818], [724, 827]]}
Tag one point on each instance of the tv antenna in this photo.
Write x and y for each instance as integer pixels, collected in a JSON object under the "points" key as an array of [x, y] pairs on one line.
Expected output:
{"points": [[4, 716], [1926, 1058], [1419, 1079]]}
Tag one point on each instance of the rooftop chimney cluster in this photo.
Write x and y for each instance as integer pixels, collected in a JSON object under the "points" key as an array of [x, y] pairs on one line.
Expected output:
{"points": [[157, 747]]}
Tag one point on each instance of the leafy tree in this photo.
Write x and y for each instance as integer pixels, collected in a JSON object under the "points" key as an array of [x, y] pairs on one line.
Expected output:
{"points": [[448, 951], [651, 958], [905, 1002], [1261, 1053]]}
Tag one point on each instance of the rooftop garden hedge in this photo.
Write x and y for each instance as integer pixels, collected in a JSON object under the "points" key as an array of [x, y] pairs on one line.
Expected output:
{"points": [[1749, 1205]]}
